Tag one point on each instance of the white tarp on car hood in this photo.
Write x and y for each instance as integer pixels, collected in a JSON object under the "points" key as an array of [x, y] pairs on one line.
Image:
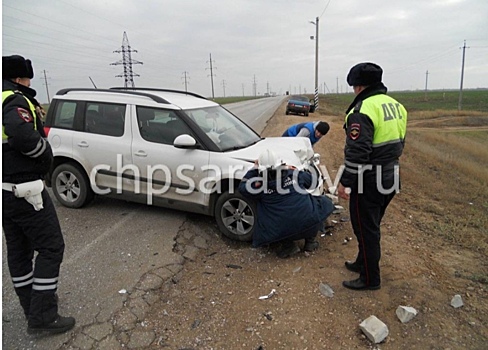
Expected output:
{"points": [[294, 151]]}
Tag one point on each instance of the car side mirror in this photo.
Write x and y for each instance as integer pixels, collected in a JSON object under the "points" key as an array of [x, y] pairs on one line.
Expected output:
{"points": [[185, 141]]}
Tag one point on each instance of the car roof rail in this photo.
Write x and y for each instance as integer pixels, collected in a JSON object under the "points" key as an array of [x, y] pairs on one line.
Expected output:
{"points": [[129, 92], [161, 90]]}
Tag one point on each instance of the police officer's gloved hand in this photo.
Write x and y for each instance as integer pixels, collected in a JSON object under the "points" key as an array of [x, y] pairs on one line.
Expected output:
{"points": [[45, 160]]}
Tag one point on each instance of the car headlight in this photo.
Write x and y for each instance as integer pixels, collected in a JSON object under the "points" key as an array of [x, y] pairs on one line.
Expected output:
{"points": [[316, 158]]}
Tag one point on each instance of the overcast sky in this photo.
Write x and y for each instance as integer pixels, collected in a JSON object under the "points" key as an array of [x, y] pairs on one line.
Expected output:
{"points": [[262, 41]]}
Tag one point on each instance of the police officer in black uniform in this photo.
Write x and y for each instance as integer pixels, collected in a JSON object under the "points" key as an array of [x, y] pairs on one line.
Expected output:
{"points": [[375, 133], [29, 218]]}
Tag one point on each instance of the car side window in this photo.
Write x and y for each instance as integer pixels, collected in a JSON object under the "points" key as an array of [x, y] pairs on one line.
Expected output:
{"points": [[105, 118], [160, 125], [65, 115]]}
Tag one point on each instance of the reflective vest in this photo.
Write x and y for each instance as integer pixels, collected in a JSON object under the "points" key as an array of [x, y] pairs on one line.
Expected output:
{"points": [[5, 95], [389, 118], [295, 129]]}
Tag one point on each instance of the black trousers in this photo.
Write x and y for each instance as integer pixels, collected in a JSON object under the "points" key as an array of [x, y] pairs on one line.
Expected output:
{"points": [[306, 234], [28, 231], [367, 210]]}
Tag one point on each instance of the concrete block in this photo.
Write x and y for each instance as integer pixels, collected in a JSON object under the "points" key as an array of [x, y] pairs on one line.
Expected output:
{"points": [[374, 329]]}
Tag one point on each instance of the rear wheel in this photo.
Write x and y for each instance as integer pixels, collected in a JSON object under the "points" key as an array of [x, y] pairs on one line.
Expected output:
{"points": [[71, 186], [287, 112], [235, 216]]}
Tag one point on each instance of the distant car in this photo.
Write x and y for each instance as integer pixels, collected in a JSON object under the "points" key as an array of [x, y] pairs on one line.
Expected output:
{"points": [[298, 105], [166, 148]]}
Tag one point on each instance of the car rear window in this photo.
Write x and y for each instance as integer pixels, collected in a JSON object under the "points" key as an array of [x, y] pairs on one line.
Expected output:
{"points": [[65, 115], [105, 118]]}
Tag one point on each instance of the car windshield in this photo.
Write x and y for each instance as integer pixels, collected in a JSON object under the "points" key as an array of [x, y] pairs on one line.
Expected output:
{"points": [[223, 128], [299, 98]]}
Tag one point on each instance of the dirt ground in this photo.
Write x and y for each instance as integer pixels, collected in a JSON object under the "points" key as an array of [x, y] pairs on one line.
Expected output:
{"points": [[215, 304]]}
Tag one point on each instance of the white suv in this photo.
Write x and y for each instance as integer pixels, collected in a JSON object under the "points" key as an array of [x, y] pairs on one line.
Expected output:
{"points": [[160, 147]]}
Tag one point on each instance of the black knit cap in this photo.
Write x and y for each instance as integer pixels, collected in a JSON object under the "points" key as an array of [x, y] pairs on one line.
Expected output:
{"points": [[364, 74], [16, 67], [322, 127]]}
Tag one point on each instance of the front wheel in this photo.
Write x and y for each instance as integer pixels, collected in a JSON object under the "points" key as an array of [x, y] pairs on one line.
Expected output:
{"points": [[236, 216], [71, 186]]}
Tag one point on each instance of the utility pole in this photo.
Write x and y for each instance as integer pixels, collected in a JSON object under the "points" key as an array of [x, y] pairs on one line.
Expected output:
{"points": [[267, 87], [460, 104], [243, 90], [223, 86], [127, 62], [254, 85], [211, 76], [186, 80], [426, 80], [337, 85], [47, 89], [325, 86], [316, 96]]}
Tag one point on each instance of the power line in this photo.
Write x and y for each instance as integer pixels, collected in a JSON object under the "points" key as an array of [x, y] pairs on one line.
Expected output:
{"points": [[47, 89], [223, 86], [325, 8], [127, 62], [211, 75], [460, 103], [49, 20], [185, 73], [254, 85]]}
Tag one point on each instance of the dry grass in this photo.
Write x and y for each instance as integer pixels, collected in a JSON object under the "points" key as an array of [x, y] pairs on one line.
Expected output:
{"points": [[439, 113], [458, 154]]}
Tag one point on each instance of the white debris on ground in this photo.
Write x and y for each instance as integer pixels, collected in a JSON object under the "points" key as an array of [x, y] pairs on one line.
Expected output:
{"points": [[457, 301], [405, 313], [374, 329], [264, 297], [326, 290]]}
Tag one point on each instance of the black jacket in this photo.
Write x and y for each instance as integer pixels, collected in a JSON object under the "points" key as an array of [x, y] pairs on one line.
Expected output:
{"points": [[281, 215], [27, 156]]}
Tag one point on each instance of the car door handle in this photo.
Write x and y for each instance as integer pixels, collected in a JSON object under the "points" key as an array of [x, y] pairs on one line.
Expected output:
{"points": [[83, 144], [140, 154]]}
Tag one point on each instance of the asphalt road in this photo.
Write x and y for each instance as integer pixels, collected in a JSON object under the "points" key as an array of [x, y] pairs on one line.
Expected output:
{"points": [[110, 245]]}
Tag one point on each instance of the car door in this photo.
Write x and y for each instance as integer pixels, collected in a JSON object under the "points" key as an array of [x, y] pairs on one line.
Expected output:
{"points": [[103, 146], [167, 173]]}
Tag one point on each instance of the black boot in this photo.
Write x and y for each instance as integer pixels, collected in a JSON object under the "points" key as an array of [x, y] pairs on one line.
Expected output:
{"points": [[44, 315], [59, 325], [353, 266], [311, 244], [288, 248]]}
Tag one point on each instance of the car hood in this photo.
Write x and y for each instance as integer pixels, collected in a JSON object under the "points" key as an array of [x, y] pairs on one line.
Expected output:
{"points": [[295, 151]]}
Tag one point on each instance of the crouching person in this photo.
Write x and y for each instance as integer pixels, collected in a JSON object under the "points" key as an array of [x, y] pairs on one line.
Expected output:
{"points": [[286, 212]]}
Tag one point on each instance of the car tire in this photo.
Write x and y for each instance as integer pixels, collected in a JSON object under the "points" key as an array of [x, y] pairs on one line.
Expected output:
{"points": [[71, 186], [287, 112], [306, 114], [236, 216]]}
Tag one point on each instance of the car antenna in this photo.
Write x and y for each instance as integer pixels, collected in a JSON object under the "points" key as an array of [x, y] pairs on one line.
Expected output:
{"points": [[93, 83]]}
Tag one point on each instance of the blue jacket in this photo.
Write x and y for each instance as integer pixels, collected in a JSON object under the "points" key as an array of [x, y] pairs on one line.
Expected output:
{"points": [[280, 215], [295, 129]]}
